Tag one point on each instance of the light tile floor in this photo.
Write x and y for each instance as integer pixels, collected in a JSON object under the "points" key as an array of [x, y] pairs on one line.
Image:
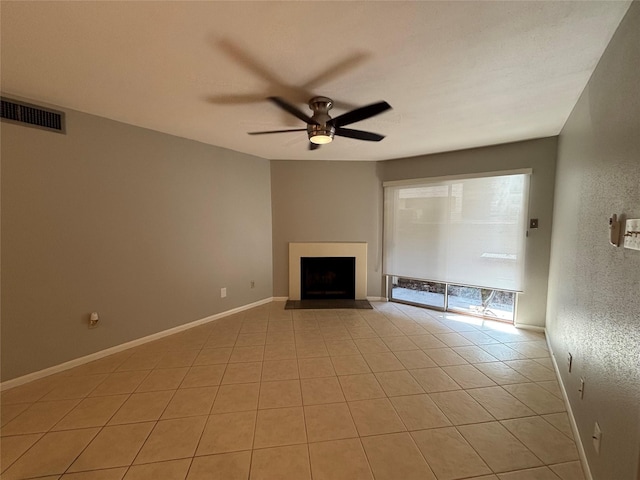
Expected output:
{"points": [[392, 393]]}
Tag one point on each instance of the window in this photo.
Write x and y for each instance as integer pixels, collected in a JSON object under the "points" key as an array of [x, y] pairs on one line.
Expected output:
{"points": [[419, 292], [495, 304], [467, 232]]}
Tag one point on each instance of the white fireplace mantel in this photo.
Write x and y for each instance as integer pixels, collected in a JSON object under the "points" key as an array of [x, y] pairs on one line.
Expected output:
{"points": [[328, 249]]}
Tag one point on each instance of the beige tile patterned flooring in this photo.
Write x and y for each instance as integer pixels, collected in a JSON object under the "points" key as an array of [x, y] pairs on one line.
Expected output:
{"points": [[396, 393]]}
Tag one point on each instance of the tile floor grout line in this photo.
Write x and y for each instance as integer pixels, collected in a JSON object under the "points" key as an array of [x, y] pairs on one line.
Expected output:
{"points": [[306, 431], [422, 454], [255, 425], [195, 451], [364, 450]]}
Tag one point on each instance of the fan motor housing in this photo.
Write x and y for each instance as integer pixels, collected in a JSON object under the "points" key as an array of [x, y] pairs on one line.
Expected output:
{"points": [[321, 107], [321, 104]]}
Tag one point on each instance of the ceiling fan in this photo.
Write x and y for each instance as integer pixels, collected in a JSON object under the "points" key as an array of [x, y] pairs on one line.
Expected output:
{"points": [[321, 128]]}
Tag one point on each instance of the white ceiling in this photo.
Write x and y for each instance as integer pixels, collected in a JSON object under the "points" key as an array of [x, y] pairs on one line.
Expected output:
{"points": [[458, 74]]}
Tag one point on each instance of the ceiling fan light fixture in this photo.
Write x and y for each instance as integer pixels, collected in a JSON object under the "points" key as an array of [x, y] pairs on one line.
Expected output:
{"points": [[321, 134], [320, 139]]}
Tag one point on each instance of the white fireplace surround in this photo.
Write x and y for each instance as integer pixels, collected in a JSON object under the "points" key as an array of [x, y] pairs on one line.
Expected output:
{"points": [[328, 249]]}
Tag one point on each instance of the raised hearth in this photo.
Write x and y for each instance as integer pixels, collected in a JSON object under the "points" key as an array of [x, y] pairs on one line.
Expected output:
{"points": [[325, 304]]}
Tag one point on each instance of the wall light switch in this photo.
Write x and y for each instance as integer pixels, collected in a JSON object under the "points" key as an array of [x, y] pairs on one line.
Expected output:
{"points": [[223, 292], [632, 234]]}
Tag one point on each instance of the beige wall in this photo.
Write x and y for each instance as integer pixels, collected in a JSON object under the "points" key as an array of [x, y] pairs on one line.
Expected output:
{"points": [[325, 202], [540, 155], [594, 288], [143, 227]]}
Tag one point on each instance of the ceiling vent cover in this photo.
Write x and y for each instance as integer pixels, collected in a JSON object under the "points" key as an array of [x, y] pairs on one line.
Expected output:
{"points": [[32, 115]]}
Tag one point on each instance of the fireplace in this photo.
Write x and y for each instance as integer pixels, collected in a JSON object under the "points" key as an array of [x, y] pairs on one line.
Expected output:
{"points": [[327, 278], [355, 251]]}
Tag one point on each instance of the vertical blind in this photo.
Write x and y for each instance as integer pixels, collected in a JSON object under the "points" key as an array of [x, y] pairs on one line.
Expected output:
{"points": [[468, 231]]}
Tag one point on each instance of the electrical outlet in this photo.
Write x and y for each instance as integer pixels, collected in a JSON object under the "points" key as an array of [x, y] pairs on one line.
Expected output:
{"points": [[223, 292], [93, 320], [570, 361], [581, 389], [253, 284], [596, 437]]}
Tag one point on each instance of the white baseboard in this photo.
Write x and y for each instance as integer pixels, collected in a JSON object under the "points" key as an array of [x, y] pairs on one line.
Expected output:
{"points": [[280, 299], [572, 420], [125, 346], [532, 328]]}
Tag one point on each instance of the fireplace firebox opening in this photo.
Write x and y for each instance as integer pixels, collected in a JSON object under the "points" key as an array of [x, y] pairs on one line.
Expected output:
{"points": [[328, 278]]}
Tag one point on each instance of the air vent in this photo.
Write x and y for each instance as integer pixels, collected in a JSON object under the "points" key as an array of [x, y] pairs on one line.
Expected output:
{"points": [[32, 115]]}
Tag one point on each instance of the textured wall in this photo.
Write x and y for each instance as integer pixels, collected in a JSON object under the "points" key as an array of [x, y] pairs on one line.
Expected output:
{"points": [[537, 154], [594, 288], [325, 202], [143, 227]]}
